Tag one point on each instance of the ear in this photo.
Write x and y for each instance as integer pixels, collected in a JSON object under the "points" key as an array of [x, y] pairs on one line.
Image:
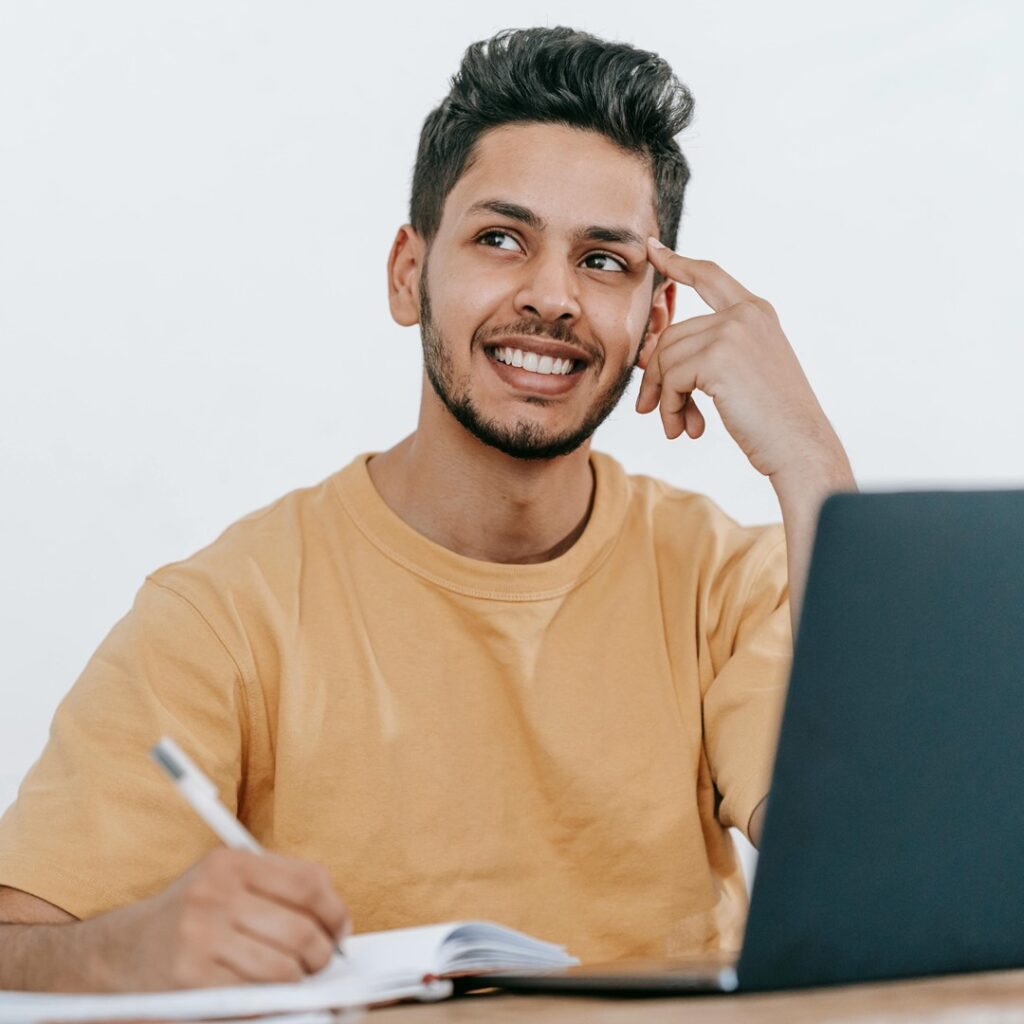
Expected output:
{"points": [[405, 264], [663, 307]]}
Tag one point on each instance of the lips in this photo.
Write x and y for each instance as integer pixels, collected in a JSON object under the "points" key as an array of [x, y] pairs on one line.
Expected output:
{"points": [[550, 384]]}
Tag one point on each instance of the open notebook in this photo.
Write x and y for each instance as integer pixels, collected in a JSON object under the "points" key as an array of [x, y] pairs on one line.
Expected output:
{"points": [[379, 967]]}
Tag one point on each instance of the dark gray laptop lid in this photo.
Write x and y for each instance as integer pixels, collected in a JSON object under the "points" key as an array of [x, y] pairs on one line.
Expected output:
{"points": [[894, 838]]}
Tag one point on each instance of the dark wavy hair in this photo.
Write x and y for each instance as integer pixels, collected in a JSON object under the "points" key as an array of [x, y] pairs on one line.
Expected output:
{"points": [[561, 76]]}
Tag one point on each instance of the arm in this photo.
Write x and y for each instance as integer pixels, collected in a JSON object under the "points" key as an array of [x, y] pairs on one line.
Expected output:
{"points": [[800, 500], [801, 493], [100, 834], [40, 947], [20, 914], [234, 917], [740, 356]]}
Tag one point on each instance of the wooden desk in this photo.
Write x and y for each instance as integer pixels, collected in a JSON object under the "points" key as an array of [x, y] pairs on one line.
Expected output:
{"points": [[954, 999]]}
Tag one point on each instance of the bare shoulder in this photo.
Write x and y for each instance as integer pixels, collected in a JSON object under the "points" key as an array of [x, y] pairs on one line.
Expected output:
{"points": [[17, 907]]}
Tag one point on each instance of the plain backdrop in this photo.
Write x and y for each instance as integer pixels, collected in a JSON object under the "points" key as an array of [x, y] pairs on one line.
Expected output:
{"points": [[197, 201]]}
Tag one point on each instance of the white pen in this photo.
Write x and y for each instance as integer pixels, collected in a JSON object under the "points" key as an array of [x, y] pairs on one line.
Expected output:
{"points": [[201, 793]]}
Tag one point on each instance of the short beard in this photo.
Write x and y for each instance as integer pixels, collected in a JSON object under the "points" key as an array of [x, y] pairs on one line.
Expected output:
{"points": [[525, 440]]}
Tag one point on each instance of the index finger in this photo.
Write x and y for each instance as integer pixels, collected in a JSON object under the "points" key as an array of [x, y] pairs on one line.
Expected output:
{"points": [[717, 288]]}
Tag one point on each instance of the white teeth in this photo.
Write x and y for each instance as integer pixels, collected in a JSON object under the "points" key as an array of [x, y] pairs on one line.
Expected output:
{"points": [[533, 362]]}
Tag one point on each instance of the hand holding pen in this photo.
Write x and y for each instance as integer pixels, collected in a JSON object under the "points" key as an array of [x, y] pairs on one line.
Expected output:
{"points": [[241, 913]]}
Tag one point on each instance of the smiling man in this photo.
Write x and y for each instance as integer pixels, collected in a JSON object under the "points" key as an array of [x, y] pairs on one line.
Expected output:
{"points": [[487, 672]]}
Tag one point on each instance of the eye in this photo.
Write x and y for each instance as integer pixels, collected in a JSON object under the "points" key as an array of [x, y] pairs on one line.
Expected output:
{"points": [[615, 264], [498, 235]]}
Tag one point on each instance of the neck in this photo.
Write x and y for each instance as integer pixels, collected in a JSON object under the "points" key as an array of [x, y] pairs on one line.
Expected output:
{"points": [[478, 501]]}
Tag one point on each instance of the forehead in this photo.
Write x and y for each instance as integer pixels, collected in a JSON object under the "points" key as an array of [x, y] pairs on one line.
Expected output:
{"points": [[568, 176]]}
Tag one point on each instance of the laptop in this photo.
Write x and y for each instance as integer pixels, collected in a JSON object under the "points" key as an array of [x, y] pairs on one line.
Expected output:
{"points": [[893, 843]]}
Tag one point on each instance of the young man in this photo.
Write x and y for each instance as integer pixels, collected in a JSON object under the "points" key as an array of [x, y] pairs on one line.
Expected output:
{"points": [[485, 673]]}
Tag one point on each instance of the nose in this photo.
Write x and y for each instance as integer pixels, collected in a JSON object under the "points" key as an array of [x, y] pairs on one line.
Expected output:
{"points": [[549, 290]]}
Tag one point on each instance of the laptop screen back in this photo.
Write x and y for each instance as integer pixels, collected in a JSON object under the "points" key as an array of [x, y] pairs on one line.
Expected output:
{"points": [[894, 838]]}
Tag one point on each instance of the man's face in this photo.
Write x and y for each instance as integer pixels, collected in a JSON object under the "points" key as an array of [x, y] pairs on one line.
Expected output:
{"points": [[542, 243]]}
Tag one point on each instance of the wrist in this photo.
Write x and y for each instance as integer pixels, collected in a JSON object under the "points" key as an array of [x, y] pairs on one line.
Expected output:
{"points": [[98, 940], [814, 477]]}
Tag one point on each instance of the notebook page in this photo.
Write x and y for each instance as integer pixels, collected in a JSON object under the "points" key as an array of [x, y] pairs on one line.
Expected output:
{"points": [[483, 945], [401, 952], [334, 986]]}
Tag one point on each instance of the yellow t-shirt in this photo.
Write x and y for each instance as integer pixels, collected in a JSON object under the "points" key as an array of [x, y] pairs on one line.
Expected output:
{"points": [[556, 746]]}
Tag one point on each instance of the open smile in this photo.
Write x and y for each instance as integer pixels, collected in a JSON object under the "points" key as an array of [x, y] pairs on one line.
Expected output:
{"points": [[542, 375]]}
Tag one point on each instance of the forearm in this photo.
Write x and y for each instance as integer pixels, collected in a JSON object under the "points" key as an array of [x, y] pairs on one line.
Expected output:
{"points": [[800, 498], [55, 957], [801, 493]]}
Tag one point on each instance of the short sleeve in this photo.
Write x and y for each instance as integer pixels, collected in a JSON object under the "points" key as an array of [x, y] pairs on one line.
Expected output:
{"points": [[96, 823], [753, 651]]}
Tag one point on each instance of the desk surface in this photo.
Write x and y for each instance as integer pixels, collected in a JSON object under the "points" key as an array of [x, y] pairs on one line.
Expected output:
{"points": [[992, 997]]}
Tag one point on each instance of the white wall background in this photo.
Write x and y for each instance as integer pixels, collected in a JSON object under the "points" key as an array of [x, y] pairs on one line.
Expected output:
{"points": [[197, 200]]}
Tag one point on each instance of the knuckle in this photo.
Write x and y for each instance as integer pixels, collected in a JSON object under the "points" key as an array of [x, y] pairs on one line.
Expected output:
{"points": [[302, 934], [745, 311], [267, 963], [310, 883], [322, 877], [197, 896], [270, 965], [293, 971], [754, 309], [734, 330], [317, 951], [208, 896], [284, 968], [222, 865], [236, 861], [342, 913], [219, 858]]}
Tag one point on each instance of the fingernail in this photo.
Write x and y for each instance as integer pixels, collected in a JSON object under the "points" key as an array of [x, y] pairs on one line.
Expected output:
{"points": [[655, 243]]}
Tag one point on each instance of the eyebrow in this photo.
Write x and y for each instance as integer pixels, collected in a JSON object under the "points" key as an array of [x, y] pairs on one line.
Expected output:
{"points": [[593, 233]]}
